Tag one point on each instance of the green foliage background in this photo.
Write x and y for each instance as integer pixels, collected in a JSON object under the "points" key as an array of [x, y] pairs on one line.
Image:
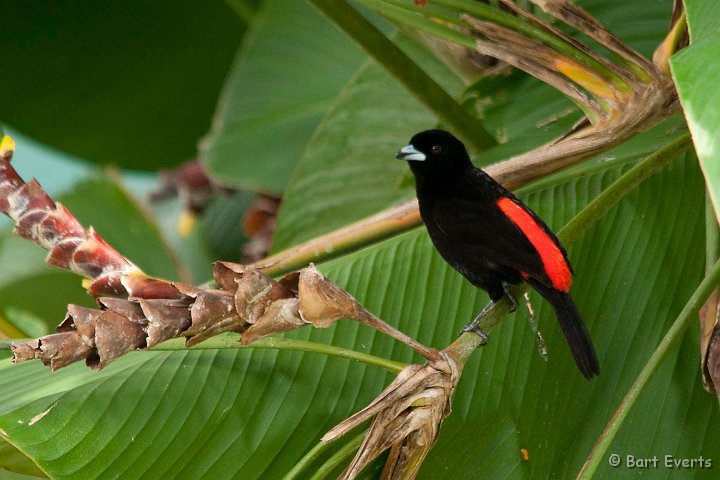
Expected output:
{"points": [[305, 112]]}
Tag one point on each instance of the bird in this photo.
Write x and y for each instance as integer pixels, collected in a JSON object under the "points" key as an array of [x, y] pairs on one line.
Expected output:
{"points": [[488, 235]]}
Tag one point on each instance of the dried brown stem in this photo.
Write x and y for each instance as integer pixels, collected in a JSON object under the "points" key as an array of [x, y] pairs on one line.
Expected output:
{"points": [[376, 227], [627, 76], [649, 107], [579, 19], [534, 62]]}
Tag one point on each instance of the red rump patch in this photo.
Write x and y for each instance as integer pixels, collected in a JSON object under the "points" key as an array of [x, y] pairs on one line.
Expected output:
{"points": [[553, 260]]}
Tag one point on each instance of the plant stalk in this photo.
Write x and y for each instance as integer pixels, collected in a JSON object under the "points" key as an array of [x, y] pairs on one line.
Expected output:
{"points": [[621, 187], [330, 464], [231, 341], [712, 234], [340, 457]]}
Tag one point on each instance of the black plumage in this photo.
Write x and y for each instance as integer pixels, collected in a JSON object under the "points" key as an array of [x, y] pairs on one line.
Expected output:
{"points": [[488, 235]]}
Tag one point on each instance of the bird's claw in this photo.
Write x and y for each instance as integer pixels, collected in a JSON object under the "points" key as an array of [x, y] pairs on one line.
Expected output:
{"points": [[474, 327]]}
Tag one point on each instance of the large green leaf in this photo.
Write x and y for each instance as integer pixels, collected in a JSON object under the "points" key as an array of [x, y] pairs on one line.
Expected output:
{"points": [[14, 465], [127, 83], [629, 287], [192, 414], [523, 113], [252, 414], [290, 67], [694, 68]]}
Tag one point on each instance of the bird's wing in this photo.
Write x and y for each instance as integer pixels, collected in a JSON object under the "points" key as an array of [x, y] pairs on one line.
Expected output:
{"points": [[504, 231]]}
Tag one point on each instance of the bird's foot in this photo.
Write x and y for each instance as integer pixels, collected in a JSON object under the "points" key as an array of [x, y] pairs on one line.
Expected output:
{"points": [[474, 326]]}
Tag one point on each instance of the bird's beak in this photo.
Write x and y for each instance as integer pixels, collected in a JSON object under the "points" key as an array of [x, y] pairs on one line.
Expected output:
{"points": [[408, 152]]}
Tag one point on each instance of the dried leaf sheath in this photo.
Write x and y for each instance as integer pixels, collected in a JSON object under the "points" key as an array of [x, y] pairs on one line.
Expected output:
{"points": [[407, 417]]}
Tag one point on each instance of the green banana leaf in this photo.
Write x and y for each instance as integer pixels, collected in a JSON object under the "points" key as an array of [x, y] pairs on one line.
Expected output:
{"points": [[249, 413], [694, 68]]}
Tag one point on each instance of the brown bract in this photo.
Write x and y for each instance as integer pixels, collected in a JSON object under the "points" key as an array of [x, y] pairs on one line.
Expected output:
{"points": [[407, 417], [154, 310], [710, 343]]}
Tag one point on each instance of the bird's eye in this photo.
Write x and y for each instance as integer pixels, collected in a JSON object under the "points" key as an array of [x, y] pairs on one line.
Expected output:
{"points": [[436, 149]]}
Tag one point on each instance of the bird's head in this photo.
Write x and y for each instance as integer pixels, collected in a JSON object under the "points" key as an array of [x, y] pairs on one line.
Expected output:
{"points": [[435, 152]]}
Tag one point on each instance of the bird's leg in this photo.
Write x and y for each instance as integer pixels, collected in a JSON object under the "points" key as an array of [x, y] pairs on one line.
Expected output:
{"points": [[474, 326], [513, 301]]}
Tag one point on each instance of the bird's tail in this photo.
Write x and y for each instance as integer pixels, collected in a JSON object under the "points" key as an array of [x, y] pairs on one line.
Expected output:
{"points": [[574, 329]]}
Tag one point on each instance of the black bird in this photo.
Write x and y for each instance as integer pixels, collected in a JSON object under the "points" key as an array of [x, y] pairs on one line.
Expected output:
{"points": [[484, 232]]}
